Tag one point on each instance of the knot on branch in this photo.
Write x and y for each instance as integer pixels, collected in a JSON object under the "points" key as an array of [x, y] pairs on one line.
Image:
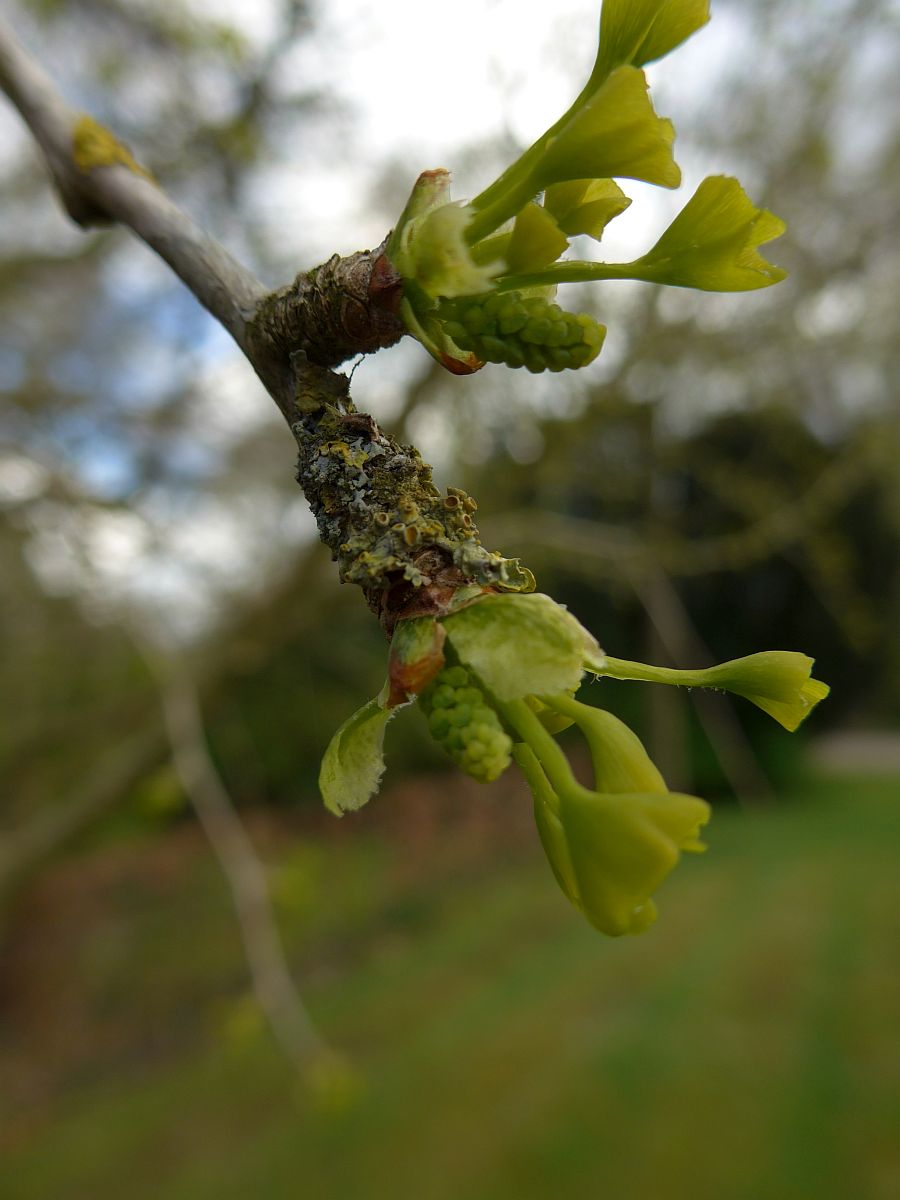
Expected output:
{"points": [[346, 306]]}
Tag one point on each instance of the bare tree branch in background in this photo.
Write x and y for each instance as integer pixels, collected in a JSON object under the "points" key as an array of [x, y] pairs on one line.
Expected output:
{"points": [[134, 753], [272, 983], [684, 645], [776, 531]]}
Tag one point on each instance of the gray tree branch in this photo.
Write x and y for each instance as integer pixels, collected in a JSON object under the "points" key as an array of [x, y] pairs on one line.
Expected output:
{"points": [[343, 308], [119, 193], [393, 532]]}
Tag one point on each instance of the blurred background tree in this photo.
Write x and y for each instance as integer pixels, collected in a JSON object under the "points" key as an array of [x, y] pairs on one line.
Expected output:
{"points": [[724, 477]]}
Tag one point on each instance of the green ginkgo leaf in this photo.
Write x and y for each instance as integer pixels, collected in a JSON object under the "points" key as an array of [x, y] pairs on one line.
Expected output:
{"points": [[354, 761], [621, 764], [615, 133], [610, 846], [712, 243], [438, 258], [640, 31], [777, 681], [536, 240], [584, 206], [549, 826], [520, 645], [622, 846]]}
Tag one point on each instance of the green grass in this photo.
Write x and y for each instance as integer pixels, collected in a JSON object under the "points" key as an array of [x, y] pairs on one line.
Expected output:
{"points": [[745, 1049]]}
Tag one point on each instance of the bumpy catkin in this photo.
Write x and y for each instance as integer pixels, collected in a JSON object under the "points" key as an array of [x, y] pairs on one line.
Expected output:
{"points": [[462, 721], [522, 331]]}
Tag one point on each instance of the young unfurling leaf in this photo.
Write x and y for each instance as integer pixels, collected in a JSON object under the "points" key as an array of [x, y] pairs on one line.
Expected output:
{"points": [[354, 762], [641, 31], [712, 243], [506, 242], [777, 681], [585, 205], [615, 133]]}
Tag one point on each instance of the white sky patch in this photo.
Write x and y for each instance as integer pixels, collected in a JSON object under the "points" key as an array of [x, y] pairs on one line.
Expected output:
{"points": [[131, 271], [230, 403], [427, 78], [421, 90], [297, 525], [115, 543], [258, 20], [21, 479], [831, 311], [13, 138]]}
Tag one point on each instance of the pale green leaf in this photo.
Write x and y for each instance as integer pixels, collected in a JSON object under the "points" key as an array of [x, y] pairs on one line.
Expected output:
{"points": [[353, 764], [622, 847], [615, 133], [640, 31], [621, 764], [549, 826], [712, 243], [777, 681], [437, 257], [431, 190], [536, 240], [584, 205], [792, 713], [520, 644]]}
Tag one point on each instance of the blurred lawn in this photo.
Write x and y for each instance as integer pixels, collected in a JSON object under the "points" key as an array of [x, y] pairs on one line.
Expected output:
{"points": [[745, 1049]]}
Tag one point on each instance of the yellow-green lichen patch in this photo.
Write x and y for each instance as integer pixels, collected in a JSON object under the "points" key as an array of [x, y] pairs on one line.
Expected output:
{"points": [[352, 457], [94, 146]]}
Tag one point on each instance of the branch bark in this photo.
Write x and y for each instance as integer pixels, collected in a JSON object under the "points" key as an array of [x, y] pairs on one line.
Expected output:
{"points": [[392, 532], [117, 192]]}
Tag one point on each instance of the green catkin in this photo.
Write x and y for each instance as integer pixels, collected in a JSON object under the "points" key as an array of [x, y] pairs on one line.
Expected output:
{"points": [[522, 331], [462, 721]]}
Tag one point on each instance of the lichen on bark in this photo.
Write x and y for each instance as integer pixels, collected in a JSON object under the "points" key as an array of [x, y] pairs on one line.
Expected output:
{"points": [[409, 546], [93, 145]]}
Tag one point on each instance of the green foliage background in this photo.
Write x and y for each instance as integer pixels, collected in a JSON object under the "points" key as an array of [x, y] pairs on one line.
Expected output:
{"points": [[746, 1051]]}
